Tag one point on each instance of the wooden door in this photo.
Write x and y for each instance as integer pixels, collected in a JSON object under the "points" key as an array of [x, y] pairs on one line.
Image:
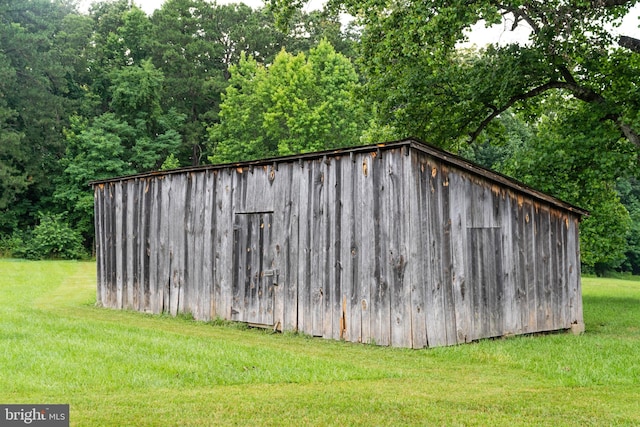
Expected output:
{"points": [[254, 274]]}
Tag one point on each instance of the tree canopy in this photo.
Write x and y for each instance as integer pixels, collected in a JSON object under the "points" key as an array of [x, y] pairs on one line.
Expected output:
{"points": [[426, 87]]}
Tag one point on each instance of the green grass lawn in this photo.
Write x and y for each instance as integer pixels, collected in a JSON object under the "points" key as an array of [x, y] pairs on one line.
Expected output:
{"points": [[130, 369]]}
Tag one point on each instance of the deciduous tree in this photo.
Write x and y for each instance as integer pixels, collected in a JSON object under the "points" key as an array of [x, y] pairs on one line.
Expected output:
{"points": [[297, 104]]}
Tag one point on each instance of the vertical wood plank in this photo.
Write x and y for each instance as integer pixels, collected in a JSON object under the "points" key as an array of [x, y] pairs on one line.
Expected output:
{"points": [[209, 260], [98, 218], [119, 248], [200, 260], [224, 247], [542, 267], [267, 275], [142, 253], [530, 266], [458, 212], [518, 216], [436, 326], [575, 287], [280, 238], [327, 258], [418, 250], [397, 222], [489, 250], [366, 279], [475, 268], [305, 323], [553, 272], [563, 271], [355, 229], [334, 191], [318, 251], [137, 190], [109, 241], [379, 306], [289, 283], [114, 248], [449, 309], [250, 257], [164, 259], [510, 256], [129, 237], [97, 225], [176, 241], [188, 289], [110, 262], [153, 245], [344, 182], [238, 267], [497, 280], [251, 267]]}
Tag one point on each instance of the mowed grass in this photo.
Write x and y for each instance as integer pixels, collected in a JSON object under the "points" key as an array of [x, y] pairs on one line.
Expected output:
{"points": [[119, 368]]}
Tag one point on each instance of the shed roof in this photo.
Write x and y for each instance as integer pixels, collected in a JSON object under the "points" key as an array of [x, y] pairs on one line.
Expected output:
{"points": [[409, 143]]}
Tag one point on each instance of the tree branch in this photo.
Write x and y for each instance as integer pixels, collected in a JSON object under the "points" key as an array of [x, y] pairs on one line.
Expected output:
{"points": [[581, 93], [629, 133], [630, 43], [610, 3], [495, 112], [521, 15]]}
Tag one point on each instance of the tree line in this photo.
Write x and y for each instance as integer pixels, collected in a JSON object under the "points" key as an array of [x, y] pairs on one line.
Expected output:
{"points": [[115, 91]]}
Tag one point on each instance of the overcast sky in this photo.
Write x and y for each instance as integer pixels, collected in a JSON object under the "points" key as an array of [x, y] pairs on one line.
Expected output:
{"points": [[480, 36]]}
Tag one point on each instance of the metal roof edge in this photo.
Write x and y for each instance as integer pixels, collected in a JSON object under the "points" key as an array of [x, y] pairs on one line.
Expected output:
{"points": [[411, 142], [261, 162]]}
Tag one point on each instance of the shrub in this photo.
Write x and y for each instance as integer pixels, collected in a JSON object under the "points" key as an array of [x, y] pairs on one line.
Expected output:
{"points": [[12, 245], [52, 238]]}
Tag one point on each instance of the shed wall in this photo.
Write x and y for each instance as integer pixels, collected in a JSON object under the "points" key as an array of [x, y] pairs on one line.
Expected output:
{"points": [[391, 246]]}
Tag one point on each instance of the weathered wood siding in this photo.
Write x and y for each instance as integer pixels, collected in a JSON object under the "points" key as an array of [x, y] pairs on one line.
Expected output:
{"points": [[392, 245], [496, 262]]}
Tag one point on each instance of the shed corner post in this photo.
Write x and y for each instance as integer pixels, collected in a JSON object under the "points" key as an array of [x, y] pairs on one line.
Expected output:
{"points": [[577, 317]]}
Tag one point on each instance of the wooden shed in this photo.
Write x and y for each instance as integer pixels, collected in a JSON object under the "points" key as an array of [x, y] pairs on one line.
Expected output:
{"points": [[396, 244]]}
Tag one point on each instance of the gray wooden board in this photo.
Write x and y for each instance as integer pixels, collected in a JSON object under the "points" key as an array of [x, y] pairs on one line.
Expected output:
{"points": [[292, 249], [449, 310], [98, 221], [366, 279], [334, 239], [316, 249], [355, 247], [378, 239], [511, 318], [327, 224], [417, 268], [432, 302], [461, 303], [562, 270], [346, 240], [531, 271], [304, 261], [438, 329], [575, 300]]}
